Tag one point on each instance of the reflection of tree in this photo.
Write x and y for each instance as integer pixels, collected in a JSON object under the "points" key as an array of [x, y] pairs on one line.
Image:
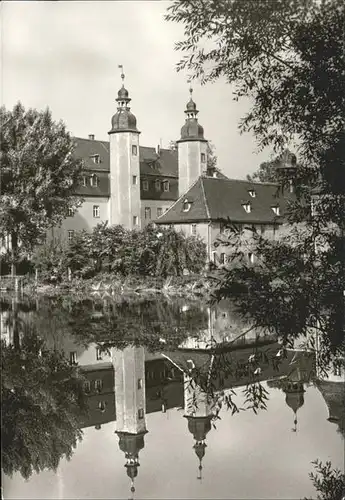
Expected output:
{"points": [[153, 324], [41, 404]]}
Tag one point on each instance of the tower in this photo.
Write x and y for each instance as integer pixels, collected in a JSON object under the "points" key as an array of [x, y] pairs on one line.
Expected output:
{"points": [[124, 164], [192, 149], [129, 371]]}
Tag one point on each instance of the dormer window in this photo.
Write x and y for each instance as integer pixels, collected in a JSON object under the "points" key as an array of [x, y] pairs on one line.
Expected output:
{"points": [[252, 193], [166, 186], [94, 180], [96, 159], [186, 206], [145, 185], [276, 210], [247, 207], [158, 185], [84, 180]]}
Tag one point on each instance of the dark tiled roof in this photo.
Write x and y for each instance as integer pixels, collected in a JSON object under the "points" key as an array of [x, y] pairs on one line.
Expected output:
{"points": [[334, 396], [102, 189], [150, 163], [85, 148], [220, 199]]}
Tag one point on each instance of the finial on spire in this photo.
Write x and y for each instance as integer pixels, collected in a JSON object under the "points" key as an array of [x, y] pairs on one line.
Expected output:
{"points": [[122, 73]]}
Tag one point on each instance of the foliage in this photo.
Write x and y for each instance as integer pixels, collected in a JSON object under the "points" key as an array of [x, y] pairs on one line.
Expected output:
{"points": [[328, 482], [39, 176], [41, 401], [267, 172], [270, 52], [114, 249], [49, 259]]}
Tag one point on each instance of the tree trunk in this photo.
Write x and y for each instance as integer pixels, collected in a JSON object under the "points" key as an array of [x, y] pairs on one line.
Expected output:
{"points": [[14, 253]]}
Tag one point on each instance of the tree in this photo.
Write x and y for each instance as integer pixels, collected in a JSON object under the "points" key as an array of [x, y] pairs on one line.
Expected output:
{"points": [[267, 172], [330, 483], [288, 58], [39, 177]]}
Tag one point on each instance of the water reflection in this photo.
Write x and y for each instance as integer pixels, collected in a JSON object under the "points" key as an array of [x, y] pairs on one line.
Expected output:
{"points": [[123, 364]]}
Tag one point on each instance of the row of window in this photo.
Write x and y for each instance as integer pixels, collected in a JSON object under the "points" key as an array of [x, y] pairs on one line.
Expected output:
{"points": [[159, 185], [95, 211], [248, 208], [94, 181], [148, 212], [98, 385]]}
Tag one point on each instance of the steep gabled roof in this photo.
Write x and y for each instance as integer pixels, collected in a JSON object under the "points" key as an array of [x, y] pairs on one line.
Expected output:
{"points": [[223, 198], [166, 164]]}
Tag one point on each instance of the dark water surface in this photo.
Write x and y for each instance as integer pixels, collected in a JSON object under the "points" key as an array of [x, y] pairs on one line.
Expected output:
{"points": [[151, 389]]}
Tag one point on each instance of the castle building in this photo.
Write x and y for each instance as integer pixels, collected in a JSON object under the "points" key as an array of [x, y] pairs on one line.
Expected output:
{"points": [[132, 185]]}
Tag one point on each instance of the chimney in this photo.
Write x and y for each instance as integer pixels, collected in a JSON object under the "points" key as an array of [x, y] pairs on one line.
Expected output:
{"points": [[91, 137], [158, 150]]}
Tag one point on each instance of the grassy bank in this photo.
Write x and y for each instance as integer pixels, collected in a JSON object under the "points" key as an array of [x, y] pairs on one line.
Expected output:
{"points": [[119, 287]]}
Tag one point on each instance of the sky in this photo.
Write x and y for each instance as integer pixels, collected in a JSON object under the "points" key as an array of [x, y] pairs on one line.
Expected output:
{"points": [[65, 55]]}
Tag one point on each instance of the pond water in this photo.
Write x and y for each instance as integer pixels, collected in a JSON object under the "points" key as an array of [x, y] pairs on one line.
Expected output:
{"points": [[151, 389]]}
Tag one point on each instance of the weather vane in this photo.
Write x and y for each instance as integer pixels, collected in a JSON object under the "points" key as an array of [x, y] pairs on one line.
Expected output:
{"points": [[122, 73]]}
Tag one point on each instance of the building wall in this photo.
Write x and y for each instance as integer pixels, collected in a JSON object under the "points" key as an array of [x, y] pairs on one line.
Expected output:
{"points": [[83, 218], [124, 165], [190, 166], [153, 205]]}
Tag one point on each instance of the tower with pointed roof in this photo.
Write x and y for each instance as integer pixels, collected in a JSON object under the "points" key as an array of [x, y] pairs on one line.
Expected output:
{"points": [[192, 149], [129, 371], [124, 164]]}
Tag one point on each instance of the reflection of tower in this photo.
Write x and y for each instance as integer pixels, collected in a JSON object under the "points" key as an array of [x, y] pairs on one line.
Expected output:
{"points": [[198, 405], [129, 370], [294, 397]]}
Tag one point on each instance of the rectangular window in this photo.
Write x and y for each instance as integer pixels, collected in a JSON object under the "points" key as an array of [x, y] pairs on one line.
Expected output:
{"points": [[222, 258], [145, 185], [96, 159], [140, 413], [140, 383], [98, 353], [147, 213], [157, 185], [94, 181], [135, 220], [134, 180], [73, 358], [98, 385], [159, 211], [70, 234], [203, 157], [95, 211], [166, 186], [84, 180], [70, 212], [87, 387], [194, 229], [134, 150]]}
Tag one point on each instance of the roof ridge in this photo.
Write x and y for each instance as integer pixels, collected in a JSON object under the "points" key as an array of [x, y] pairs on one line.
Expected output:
{"points": [[205, 200], [242, 180]]}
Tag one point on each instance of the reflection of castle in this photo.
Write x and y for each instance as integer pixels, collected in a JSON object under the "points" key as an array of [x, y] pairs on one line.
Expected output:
{"points": [[209, 375]]}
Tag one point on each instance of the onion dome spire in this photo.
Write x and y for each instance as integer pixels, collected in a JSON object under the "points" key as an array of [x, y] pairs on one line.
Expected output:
{"points": [[131, 444], [192, 130], [123, 120]]}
